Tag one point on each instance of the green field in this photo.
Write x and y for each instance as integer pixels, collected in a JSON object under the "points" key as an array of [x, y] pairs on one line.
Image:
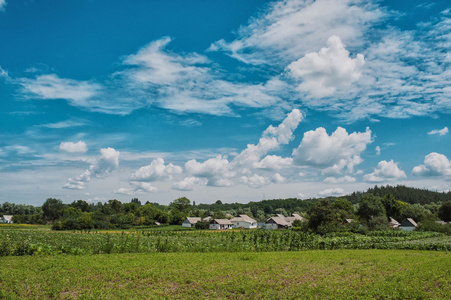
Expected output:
{"points": [[321, 274]]}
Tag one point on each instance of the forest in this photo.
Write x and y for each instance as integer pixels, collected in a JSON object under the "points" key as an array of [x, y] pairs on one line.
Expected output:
{"points": [[372, 209]]}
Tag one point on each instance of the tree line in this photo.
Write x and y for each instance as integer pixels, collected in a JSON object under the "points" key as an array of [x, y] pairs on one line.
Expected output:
{"points": [[371, 210]]}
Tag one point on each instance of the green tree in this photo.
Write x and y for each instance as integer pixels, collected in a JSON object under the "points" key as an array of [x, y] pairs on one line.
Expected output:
{"points": [[182, 204], [52, 209], [370, 206], [444, 212]]}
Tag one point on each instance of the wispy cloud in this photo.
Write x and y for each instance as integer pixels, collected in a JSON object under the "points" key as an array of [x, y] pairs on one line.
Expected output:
{"points": [[287, 30], [2, 5], [439, 131]]}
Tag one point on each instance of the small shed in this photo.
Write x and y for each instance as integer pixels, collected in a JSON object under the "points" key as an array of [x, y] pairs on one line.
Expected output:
{"points": [[8, 219], [220, 224], [190, 221], [408, 225]]}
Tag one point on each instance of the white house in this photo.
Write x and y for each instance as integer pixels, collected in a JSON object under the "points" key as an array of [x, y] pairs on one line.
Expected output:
{"points": [[281, 222], [190, 221], [6, 219], [220, 224], [408, 225], [244, 221]]}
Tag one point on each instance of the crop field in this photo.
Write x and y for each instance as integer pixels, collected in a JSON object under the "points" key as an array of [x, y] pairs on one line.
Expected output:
{"points": [[20, 242], [320, 274]]}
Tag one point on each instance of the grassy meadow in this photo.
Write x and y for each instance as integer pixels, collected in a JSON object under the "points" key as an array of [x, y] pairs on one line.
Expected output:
{"points": [[320, 274]]}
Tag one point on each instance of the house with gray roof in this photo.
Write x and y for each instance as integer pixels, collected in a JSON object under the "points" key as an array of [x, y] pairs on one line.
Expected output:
{"points": [[244, 221], [220, 224]]}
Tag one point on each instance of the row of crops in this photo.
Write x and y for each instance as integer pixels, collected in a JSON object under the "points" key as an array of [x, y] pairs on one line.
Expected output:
{"points": [[29, 242]]}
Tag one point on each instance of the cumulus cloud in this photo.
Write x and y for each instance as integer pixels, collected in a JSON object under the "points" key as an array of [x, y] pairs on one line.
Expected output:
{"points": [[157, 170], [344, 179], [73, 147], [108, 161], [188, 183], [330, 69], [255, 181], [439, 131], [332, 192], [385, 171], [277, 178], [273, 162], [271, 139], [435, 164], [209, 168], [332, 153]]}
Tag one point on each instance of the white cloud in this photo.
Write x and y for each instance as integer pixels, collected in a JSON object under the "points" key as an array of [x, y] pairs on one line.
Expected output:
{"points": [[52, 87], [378, 150], [328, 70], [137, 187], [188, 183], [344, 179], [2, 5], [291, 28], [157, 170], [439, 131], [255, 181], [385, 171], [271, 139], [273, 162], [435, 164], [334, 152], [277, 178], [73, 147], [332, 192], [108, 161]]}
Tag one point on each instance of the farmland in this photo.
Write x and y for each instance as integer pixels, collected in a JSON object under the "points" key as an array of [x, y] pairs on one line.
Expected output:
{"points": [[253, 264], [20, 242], [337, 274]]}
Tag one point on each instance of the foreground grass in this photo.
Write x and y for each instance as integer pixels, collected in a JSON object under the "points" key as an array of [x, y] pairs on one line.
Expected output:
{"points": [[336, 274]]}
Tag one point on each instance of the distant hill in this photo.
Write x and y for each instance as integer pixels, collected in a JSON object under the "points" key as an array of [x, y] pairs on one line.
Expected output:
{"points": [[400, 192], [404, 193]]}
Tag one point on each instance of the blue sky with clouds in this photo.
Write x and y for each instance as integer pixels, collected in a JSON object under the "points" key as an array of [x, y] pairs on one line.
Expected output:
{"points": [[231, 100]]}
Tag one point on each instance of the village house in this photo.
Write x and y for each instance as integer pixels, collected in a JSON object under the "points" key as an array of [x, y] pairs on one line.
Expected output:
{"points": [[408, 225], [393, 223], [220, 224], [190, 221], [244, 221], [281, 222], [8, 219]]}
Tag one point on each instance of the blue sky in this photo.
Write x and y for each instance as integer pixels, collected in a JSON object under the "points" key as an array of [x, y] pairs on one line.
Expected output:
{"points": [[232, 100]]}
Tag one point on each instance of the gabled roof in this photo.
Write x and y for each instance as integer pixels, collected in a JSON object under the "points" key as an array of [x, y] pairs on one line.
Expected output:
{"points": [[297, 217], [207, 219], [409, 222], [7, 218], [394, 222], [279, 221], [193, 220], [221, 222], [243, 218]]}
